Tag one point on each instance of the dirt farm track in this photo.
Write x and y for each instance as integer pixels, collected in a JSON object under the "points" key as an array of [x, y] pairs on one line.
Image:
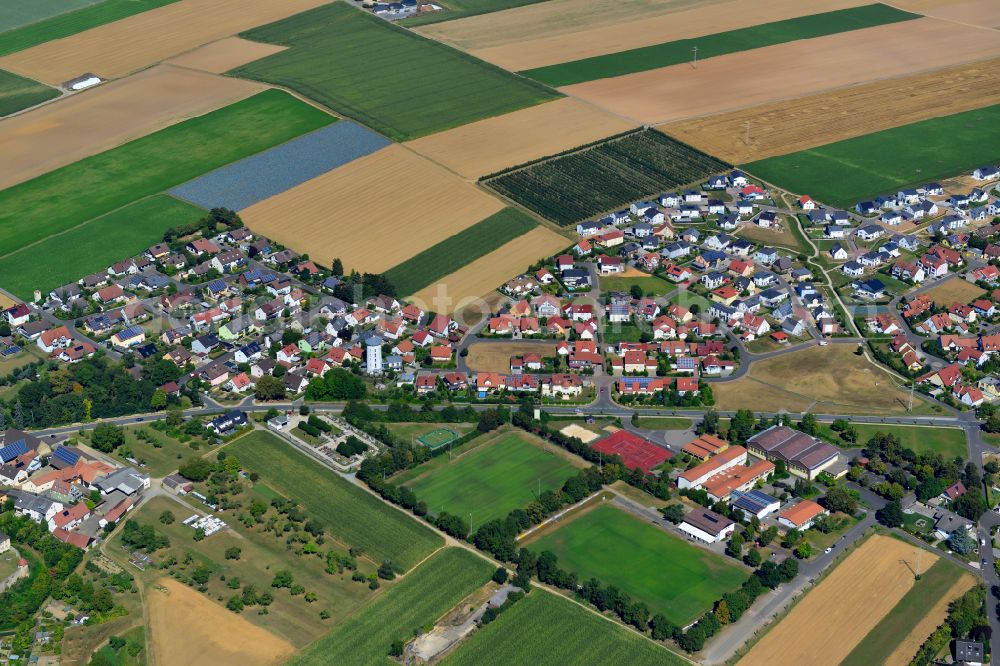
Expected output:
{"points": [[789, 70], [833, 617], [147, 38], [95, 120]]}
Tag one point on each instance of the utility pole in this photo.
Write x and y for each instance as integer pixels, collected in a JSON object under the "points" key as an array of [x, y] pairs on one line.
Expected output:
{"points": [[694, 61]]}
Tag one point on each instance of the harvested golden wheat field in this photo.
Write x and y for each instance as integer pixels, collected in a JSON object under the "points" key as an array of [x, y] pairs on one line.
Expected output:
{"points": [[96, 120], [791, 125], [374, 212], [832, 619], [935, 616], [563, 30], [495, 357], [954, 290], [462, 288], [985, 13], [188, 628], [791, 70], [121, 47], [225, 54], [487, 146]]}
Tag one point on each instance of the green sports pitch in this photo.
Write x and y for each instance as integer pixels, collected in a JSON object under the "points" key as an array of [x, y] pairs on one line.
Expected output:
{"points": [[665, 572], [438, 437]]}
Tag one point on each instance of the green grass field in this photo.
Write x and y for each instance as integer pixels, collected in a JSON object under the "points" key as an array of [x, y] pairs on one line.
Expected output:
{"points": [[97, 185], [350, 513], [490, 480], [463, 248], [410, 431], [755, 37], [93, 246], [461, 8], [844, 172], [544, 628], [388, 78], [949, 442], [894, 627], [649, 284], [423, 596], [671, 576], [55, 19], [18, 93], [665, 423], [438, 437]]}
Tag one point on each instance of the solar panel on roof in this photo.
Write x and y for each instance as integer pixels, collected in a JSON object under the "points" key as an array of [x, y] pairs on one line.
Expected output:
{"points": [[13, 450], [66, 455]]}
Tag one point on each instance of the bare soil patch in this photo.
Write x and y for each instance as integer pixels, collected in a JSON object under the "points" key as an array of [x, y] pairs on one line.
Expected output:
{"points": [[985, 13], [791, 125], [96, 120], [119, 48], [581, 433], [374, 212], [839, 612], [955, 290], [495, 357], [187, 628], [789, 70], [907, 649], [225, 54], [564, 30], [464, 287], [487, 146]]}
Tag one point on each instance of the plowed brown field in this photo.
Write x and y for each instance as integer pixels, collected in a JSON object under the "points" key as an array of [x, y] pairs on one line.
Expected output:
{"points": [[839, 612], [563, 30], [465, 286], [790, 70], [374, 212], [225, 54], [119, 48], [188, 628], [490, 145], [984, 13], [791, 125], [95, 120]]}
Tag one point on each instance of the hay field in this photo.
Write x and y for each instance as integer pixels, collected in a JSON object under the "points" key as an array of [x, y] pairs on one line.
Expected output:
{"points": [[789, 70], [985, 13], [787, 126], [373, 213], [467, 285], [954, 290], [90, 122], [490, 145], [495, 356], [225, 54], [188, 628], [147, 38], [838, 613], [563, 30], [838, 381], [935, 616]]}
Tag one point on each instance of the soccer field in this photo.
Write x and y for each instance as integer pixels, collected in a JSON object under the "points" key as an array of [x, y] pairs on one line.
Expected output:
{"points": [[489, 480], [671, 576]]}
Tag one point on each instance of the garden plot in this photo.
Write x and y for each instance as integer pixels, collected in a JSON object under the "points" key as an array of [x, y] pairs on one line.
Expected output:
{"points": [[147, 38], [251, 180], [85, 124], [407, 204], [789, 70]]}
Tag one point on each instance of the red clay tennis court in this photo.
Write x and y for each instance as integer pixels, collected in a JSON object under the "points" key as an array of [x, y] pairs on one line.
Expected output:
{"points": [[633, 450]]}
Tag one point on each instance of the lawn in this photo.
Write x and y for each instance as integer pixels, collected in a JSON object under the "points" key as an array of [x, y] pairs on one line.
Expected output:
{"points": [[844, 172], [66, 197], [461, 8], [490, 480], [650, 284], [422, 597], [94, 245], [894, 627], [544, 628], [664, 422], [754, 37], [262, 554], [390, 79], [455, 252], [49, 24], [17, 93], [160, 452], [410, 431], [350, 513], [668, 574], [949, 442], [688, 298], [615, 332]]}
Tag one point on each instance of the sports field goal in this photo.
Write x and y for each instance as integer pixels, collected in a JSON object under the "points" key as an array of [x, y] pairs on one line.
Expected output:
{"points": [[438, 437]]}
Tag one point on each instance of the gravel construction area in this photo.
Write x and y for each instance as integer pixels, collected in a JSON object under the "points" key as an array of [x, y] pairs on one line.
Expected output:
{"points": [[258, 177]]}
